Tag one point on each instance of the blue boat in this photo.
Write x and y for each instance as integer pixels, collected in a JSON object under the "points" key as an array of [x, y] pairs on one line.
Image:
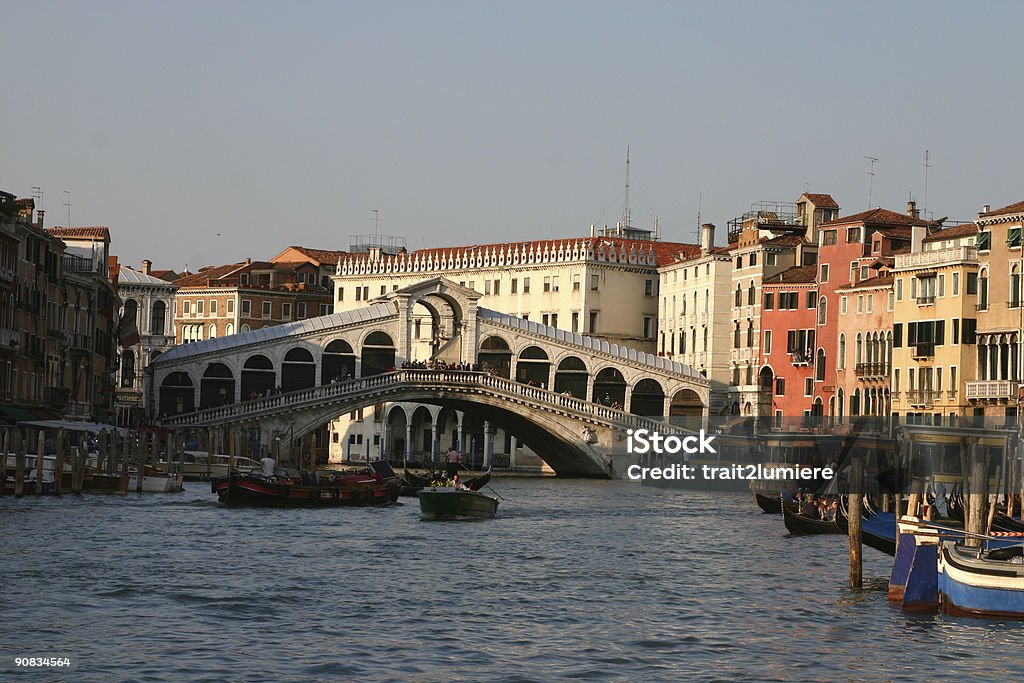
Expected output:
{"points": [[981, 583]]}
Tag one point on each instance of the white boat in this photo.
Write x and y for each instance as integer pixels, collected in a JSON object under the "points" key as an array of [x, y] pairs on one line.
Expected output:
{"points": [[200, 465], [154, 481]]}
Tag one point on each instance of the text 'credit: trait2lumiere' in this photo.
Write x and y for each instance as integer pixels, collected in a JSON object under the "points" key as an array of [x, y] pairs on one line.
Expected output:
{"points": [[642, 442]]}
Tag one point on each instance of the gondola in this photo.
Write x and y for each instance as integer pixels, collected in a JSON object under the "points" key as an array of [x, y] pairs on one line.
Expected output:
{"points": [[877, 530], [800, 525], [770, 505], [308, 490]]}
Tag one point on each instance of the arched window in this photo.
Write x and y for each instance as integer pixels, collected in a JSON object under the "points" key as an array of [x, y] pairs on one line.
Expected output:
{"points": [[158, 318], [1014, 286], [821, 311], [841, 361], [819, 366], [707, 299], [859, 354], [230, 329], [739, 294], [750, 333], [213, 331], [751, 294]]}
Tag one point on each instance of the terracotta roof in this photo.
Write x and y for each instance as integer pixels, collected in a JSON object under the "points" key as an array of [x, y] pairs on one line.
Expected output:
{"points": [[1012, 208], [203, 277], [879, 216], [113, 268], [901, 250], [164, 274], [97, 231], [952, 232], [877, 281], [784, 241], [895, 233], [321, 255], [797, 274], [821, 201], [664, 252]]}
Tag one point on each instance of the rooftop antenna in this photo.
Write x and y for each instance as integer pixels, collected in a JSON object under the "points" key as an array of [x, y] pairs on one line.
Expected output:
{"points": [[924, 209], [67, 196], [37, 193], [376, 221], [871, 177], [700, 205], [625, 206]]}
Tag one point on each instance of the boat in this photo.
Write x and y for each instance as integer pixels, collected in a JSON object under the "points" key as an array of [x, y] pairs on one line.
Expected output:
{"points": [[94, 480], [201, 466], [305, 489], [877, 529], [771, 505], [981, 583], [154, 480], [799, 524], [449, 502]]}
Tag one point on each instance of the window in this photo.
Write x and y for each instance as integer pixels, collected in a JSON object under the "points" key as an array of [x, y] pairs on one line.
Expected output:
{"points": [[246, 307], [213, 307], [554, 283], [186, 307], [828, 237], [300, 308], [841, 361], [972, 283], [889, 297], [1015, 288], [870, 301], [956, 331], [899, 290], [575, 321], [593, 322], [266, 309], [487, 286], [383, 290], [819, 366], [770, 259], [286, 311], [821, 311], [984, 240], [244, 278], [739, 262], [767, 342], [739, 295], [325, 309], [1013, 237], [544, 318], [231, 305], [497, 287], [852, 235], [842, 305], [575, 283], [515, 286], [594, 279], [526, 285], [750, 334], [648, 287], [808, 386], [863, 272], [751, 294], [753, 259], [941, 285], [648, 327], [860, 303], [780, 386], [769, 301], [956, 284], [811, 298], [824, 273]]}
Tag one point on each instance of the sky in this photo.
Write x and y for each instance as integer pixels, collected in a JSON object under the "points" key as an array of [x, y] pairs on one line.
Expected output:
{"points": [[204, 133]]}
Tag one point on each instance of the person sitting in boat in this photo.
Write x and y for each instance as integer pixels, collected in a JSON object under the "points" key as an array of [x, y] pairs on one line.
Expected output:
{"points": [[787, 494], [809, 508], [268, 466]]}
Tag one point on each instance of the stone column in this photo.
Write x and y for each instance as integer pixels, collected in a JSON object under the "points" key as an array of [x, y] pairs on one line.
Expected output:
{"points": [[461, 445], [408, 438], [513, 445], [435, 438]]}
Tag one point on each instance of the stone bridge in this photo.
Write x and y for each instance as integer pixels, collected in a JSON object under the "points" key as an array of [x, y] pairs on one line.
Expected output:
{"points": [[571, 397]]}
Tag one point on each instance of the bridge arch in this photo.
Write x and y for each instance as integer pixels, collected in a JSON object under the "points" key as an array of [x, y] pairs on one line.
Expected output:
{"points": [[495, 355], [378, 353], [686, 405], [177, 394], [259, 377], [533, 366], [298, 369], [648, 399], [572, 376], [338, 361], [217, 386], [609, 387]]}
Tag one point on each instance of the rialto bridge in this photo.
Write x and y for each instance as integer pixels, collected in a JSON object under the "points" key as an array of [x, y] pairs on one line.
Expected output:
{"points": [[571, 397]]}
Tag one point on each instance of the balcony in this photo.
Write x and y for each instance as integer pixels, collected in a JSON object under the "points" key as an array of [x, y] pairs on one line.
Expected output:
{"points": [[926, 301], [921, 398], [7, 274], [800, 359], [992, 390], [8, 338], [872, 370], [78, 264], [924, 350], [80, 342], [939, 257], [742, 354]]}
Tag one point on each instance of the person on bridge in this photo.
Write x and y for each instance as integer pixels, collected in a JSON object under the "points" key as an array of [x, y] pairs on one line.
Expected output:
{"points": [[453, 463]]}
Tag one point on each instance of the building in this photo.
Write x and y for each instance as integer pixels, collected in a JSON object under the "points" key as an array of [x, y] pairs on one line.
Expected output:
{"points": [[239, 297], [852, 249], [863, 357], [788, 318], [769, 238], [325, 260], [937, 297], [146, 330], [994, 389], [694, 323], [91, 313]]}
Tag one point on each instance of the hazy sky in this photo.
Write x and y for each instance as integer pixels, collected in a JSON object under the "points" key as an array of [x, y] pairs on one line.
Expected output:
{"points": [[205, 132]]}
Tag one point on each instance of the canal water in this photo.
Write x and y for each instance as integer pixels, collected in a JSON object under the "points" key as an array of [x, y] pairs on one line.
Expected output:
{"points": [[573, 579]]}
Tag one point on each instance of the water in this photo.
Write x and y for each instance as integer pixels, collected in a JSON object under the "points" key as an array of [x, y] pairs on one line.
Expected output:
{"points": [[573, 580]]}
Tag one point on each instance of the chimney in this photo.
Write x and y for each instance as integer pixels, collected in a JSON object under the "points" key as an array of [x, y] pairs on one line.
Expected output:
{"points": [[248, 261], [147, 266], [41, 214], [912, 209], [707, 238], [593, 230], [985, 208]]}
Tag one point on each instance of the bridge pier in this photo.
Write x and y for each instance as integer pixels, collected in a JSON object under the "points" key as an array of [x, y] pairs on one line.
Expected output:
{"points": [[488, 445], [408, 439]]}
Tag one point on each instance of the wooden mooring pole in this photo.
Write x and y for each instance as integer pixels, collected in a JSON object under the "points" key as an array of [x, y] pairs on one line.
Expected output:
{"points": [[19, 463], [40, 460], [58, 464], [976, 493], [3, 462], [140, 448], [856, 496]]}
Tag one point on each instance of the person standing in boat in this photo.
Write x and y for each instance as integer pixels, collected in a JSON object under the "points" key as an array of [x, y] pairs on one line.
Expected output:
{"points": [[453, 463], [268, 466]]}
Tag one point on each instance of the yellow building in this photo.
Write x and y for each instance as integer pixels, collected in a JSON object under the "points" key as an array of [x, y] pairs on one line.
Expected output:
{"points": [[937, 294], [994, 391]]}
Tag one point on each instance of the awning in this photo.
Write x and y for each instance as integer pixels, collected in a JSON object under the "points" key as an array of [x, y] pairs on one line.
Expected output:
{"points": [[73, 426], [12, 415]]}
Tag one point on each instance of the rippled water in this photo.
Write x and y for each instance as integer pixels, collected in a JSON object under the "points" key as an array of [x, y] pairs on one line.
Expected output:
{"points": [[574, 579]]}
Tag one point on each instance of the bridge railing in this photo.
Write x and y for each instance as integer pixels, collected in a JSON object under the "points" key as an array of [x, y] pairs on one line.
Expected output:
{"points": [[327, 392]]}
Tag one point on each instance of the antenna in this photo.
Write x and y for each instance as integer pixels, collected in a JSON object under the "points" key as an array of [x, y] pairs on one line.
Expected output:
{"points": [[871, 179], [67, 196], [376, 221], [700, 205], [37, 193], [924, 209], [625, 205]]}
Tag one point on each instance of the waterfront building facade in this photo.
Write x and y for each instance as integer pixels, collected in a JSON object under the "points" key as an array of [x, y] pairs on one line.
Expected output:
{"points": [[994, 391], [146, 330], [937, 294], [788, 316], [863, 354], [694, 324]]}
